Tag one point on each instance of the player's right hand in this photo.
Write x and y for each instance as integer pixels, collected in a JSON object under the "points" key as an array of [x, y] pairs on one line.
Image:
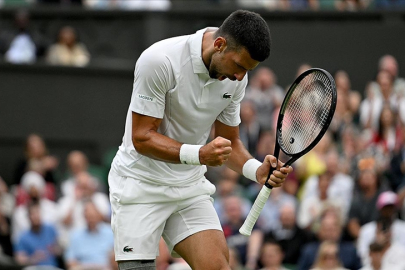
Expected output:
{"points": [[216, 152]]}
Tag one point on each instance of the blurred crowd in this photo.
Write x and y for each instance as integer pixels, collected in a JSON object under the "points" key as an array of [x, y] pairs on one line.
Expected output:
{"points": [[342, 208], [162, 5]]}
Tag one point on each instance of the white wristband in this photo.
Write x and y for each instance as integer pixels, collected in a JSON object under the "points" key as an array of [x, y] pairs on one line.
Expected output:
{"points": [[250, 167], [189, 154]]}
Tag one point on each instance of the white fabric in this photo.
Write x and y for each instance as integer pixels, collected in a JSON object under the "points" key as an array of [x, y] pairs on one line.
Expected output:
{"points": [[250, 167], [21, 222], [367, 236], [142, 213], [393, 259], [172, 83], [340, 189], [66, 204]]}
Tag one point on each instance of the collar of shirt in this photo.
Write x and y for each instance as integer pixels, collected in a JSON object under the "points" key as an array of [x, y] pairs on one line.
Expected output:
{"points": [[195, 44]]}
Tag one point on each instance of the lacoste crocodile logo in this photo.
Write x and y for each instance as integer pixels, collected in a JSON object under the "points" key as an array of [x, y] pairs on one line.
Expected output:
{"points": [[226, 96], [128, 249]]}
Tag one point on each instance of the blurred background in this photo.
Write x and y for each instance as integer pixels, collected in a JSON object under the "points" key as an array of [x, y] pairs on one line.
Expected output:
{"points": [[66, 74]]}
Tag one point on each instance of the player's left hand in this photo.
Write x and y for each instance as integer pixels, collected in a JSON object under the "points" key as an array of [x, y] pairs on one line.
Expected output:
{"points": [[278, 176]]}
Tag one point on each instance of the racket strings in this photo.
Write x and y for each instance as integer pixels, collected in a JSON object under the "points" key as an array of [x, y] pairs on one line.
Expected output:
{"points": [[306, 112]]}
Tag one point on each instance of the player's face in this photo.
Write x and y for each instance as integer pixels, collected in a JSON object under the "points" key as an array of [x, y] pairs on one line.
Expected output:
{"points": [[231, 64]]}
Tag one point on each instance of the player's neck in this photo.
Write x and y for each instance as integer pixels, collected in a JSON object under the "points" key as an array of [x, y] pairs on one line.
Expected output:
{"points": [[207, 48]]}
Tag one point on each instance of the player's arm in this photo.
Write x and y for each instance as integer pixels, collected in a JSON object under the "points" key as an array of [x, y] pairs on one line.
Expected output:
{"points": [[148, 142], [240, 156]]}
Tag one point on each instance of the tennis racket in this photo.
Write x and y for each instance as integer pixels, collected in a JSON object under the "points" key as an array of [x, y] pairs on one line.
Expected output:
{"points": [[304, 117]]}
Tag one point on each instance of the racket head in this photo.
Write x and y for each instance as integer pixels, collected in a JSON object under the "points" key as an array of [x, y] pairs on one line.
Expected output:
{"points": [[306, 112]]}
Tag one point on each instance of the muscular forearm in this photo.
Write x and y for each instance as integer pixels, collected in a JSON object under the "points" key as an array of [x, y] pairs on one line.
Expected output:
{"points": [[158, 146], [238, 157]]}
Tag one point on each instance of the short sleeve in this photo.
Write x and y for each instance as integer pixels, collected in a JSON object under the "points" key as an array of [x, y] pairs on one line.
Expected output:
{"points": [[153, 77], [231, 114]]}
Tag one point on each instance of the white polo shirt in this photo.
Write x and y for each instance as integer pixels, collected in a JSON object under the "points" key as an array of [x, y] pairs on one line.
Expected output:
{"points": [[172, 83]]}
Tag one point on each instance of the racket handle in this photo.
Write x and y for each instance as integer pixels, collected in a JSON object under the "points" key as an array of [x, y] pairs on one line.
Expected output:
{"points": [[254, 213]]}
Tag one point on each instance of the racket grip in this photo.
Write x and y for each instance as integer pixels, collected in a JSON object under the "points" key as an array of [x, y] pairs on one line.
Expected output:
{"points": [[254, 213]]}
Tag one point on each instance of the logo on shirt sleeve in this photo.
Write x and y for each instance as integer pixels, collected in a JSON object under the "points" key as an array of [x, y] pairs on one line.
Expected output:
{"points": [[226, 96], [147, 98]]}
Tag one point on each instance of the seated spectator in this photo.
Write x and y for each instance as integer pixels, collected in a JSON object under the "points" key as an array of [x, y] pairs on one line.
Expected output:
{"points": [[228, 186], [312, 207], [362, 209], [270, 216], [68, 51], [265, 94], [35, 149], [90, 247], [77, 162], [7, 200], [20, 44], [249, 128], [387, 205], [132, 5], [341, 185], [385, 256], [327, 258], [38, 245], [70, 208], [247, 247], [330, 230], [272, 256], [289, 236], [34, 184]]}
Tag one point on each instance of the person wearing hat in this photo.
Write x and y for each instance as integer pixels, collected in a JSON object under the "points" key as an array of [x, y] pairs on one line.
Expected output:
{"points": [[387, 222]]}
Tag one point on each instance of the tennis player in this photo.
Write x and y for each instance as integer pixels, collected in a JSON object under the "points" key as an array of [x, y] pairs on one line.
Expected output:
{"points": [[182, 86]]}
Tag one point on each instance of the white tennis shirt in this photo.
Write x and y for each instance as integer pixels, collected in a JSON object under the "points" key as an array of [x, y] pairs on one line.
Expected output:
{"points": [[172, 83]]}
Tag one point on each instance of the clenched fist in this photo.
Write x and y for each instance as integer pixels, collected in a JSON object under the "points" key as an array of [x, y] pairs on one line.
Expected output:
{"points": [[216, 152]]}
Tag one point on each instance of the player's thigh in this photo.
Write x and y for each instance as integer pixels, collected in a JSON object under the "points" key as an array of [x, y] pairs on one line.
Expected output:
{"points": [[205, 250]]}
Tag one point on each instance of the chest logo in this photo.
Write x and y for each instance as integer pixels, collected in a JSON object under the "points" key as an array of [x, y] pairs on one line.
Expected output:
{"points": [[226, 96]]}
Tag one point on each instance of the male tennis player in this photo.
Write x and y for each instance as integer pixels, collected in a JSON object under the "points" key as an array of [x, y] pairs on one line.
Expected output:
{"points": [[182, 86]]}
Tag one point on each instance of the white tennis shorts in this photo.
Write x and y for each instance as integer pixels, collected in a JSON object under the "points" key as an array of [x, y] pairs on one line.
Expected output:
{"points": [[142, 213]]}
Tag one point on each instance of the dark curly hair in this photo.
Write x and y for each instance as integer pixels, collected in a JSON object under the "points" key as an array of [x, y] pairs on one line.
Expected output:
{"points": [[249, 30]]}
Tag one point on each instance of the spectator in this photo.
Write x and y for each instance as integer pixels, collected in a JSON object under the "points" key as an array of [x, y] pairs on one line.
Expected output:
{"points": [[70, 208], [390, 64], [77, 162], [312, 206], [270, 216], [60, 2], [34, 184], [272, 256], [387, 205], [228, 186], [327, 258], [7, 200], [247, 247], [289, 236], [35, 149], [90, 247], [330, 230], [362, 209], [249, 129], [21, 45], [38, 245], [68, 51], [385, 256], [341, 185], [265, 94]]}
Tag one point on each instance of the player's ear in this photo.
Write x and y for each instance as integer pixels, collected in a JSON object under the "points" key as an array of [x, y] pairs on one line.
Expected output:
{"points": [[220, 44]]}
